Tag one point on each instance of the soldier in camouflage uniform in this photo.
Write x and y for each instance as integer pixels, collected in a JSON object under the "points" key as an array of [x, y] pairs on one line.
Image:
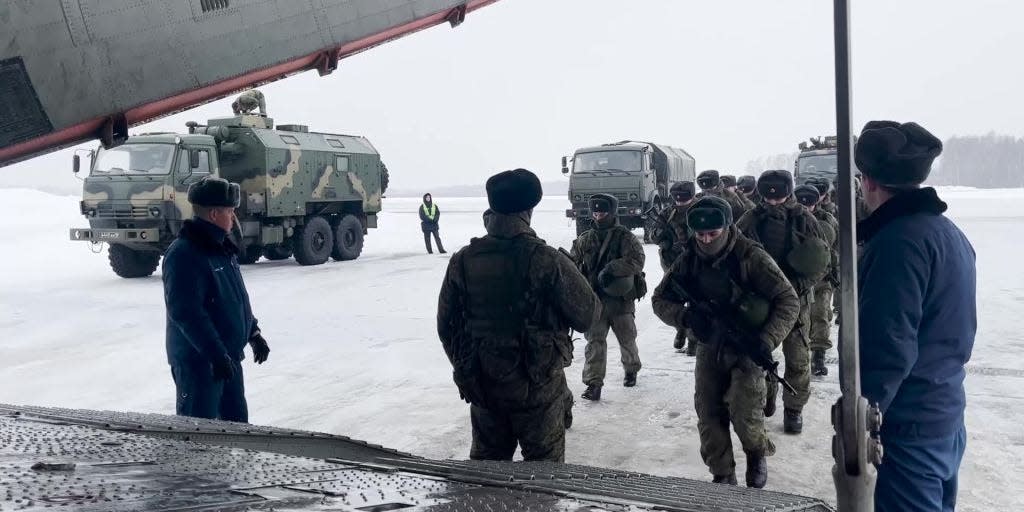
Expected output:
{"points": [[821, 309], [792, 237], [721, 270], [747, 187], [506, 307], [711, 185], [612, 260], [671, 236], [249, 101], [730, 184]]}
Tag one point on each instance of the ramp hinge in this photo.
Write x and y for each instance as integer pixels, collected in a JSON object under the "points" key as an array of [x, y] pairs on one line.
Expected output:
{"points": [[327, 62], [456, 16]]}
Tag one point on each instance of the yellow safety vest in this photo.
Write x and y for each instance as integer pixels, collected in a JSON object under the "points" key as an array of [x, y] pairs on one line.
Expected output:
{"points": [[432, 212]]}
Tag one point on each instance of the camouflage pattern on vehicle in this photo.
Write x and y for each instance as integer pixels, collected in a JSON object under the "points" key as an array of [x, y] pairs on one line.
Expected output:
{"points": [[310, 194]]}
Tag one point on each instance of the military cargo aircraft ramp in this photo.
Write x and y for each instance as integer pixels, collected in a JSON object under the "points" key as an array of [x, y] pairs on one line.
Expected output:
{"points": [[105, 461], [74, 70]]}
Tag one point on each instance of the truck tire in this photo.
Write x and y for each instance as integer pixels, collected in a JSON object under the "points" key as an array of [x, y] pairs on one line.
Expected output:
{"points": [[348, 238], [582, 226], [277, 252], [130, 264], [313, 241], [250, 254]]}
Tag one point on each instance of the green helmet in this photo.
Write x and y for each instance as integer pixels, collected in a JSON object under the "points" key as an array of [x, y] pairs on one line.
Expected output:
{"points": [[809, 257], [752, 310]]}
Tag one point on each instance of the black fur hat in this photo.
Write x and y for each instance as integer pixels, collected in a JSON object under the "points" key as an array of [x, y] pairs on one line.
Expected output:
{"points": [[683, 190], [708, 179], [513, 191], [604, 203], [709, 213], [212, 192], [775, 184], [728, 180], [747, 183], [807, 195], [896, 155]]}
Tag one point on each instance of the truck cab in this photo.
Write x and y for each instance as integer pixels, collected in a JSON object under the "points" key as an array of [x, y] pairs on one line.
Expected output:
{"points": [[135, 196]]}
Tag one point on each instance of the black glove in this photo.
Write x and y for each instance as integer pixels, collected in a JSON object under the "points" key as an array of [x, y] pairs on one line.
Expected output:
{"points": [[260, 350], [698, 320], [223, 368]]}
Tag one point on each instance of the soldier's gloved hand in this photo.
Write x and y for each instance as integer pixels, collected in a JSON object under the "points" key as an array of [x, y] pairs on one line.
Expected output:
{"points": [[260, 349], [223, 368]]}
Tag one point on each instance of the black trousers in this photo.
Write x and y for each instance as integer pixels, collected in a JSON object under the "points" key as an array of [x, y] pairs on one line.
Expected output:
{"points": [[437, 238], [201, 396]]}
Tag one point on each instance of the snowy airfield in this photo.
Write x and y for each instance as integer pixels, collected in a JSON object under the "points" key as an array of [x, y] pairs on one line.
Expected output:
{"points": [[354, 349]]}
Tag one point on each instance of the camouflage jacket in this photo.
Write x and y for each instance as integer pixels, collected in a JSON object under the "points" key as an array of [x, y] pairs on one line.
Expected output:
{"points": [[750, 270], [778, 230], [507, 304], [623, 256], [830, 232], [739, 207], [672, 234]]}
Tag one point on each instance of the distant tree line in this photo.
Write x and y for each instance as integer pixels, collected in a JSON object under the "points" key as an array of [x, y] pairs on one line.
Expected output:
{"points": [[982, 161], [780, 161]]}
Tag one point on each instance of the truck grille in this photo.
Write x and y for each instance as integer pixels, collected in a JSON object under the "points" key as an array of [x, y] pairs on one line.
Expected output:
{"points": [[620, 196], [121, 211]]}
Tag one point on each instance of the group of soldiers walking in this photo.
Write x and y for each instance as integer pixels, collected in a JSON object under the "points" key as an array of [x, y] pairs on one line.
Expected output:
{"points": [[749, 264]]}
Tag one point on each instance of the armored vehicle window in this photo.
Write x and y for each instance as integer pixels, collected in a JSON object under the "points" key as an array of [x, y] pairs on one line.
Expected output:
{"points": [[132, 159], [335, 143], [597, 161], [204, 162], [341, 164], [288, 139], [817, 166]]}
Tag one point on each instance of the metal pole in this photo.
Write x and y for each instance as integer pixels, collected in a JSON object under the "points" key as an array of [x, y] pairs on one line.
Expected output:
{"points": [[853, 447]]}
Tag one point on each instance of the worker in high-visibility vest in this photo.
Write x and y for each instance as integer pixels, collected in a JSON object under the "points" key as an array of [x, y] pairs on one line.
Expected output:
{"points": [[429, 216]]}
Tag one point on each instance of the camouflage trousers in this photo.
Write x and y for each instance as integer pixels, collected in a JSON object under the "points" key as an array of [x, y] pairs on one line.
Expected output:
{"points": [[596, 352], [821, 317], [796, 350], [537, 427], [729, 389]]}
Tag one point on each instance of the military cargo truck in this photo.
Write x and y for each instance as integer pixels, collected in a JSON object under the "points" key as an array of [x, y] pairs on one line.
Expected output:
{"points": [[308, 194], [638, 174], [818, 158]]}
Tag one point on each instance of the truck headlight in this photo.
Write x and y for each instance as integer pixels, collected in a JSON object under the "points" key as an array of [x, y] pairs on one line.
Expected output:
{"points": [[577, 198], [154, 211], [633, 197], [91, 212]]}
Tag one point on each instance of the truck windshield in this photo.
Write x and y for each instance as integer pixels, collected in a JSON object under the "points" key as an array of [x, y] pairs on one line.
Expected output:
{"points": [[817, 166], [605, 161], [134, 159]]}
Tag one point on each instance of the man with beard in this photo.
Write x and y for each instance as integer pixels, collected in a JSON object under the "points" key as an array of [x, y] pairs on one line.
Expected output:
{"points": [[726, 286], [506, 306], [792, 237], [612, 260]]}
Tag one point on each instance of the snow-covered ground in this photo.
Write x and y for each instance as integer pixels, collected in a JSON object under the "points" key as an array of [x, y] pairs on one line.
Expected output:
{"points": [[354, 349]]}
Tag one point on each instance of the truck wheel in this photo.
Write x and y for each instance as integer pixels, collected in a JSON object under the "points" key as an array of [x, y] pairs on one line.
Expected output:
{"points": [[348, 239], [129, 264], [313, 241], [251, 254], [582, 226], [277, 252]]}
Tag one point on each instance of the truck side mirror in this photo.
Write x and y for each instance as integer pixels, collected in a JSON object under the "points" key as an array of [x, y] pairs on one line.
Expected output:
{"points": [[76, 163], [193, 159], [565, 165]]}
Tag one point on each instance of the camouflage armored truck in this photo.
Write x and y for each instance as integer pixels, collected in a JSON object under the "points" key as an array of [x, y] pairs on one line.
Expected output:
{"points": [[308, 194], [638, 174]]}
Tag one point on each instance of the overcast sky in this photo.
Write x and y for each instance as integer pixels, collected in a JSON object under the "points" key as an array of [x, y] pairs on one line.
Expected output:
{"points": [[523, 82]]}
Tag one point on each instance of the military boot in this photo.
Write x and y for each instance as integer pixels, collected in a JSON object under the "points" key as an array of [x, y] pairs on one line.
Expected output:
{"points": [[725, 479], [818, 362], [630, 379], [757, 470], [592, 393], [792, 421], [691, 347], [680, 340]]}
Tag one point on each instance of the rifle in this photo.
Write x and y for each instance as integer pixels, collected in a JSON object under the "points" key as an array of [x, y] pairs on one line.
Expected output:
{"points": [[733, 335]]}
